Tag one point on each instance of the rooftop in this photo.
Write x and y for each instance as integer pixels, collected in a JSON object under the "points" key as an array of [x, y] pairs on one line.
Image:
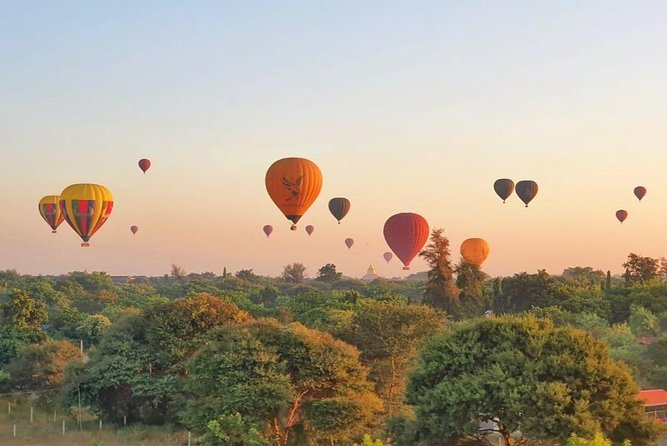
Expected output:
{"points": [[653, 397]]}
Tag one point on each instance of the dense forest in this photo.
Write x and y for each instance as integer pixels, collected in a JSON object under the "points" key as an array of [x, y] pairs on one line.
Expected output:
{"points": [[451, 357]]}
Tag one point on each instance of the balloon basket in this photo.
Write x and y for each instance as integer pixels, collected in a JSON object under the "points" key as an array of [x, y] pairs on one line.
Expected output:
{"points": [[54, 232], [293, 228], [85, 245], [406, 268]]}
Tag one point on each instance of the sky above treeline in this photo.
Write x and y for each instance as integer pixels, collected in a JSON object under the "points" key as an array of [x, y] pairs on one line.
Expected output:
{"points": [[404, 106]]}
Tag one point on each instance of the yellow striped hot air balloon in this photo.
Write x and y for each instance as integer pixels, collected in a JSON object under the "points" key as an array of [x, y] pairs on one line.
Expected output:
{"points": [[49, 209], [86, 207]]}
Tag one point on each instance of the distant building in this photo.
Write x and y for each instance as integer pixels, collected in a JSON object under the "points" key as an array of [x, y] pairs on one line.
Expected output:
{"points": [[655, 403], [371, 274]]}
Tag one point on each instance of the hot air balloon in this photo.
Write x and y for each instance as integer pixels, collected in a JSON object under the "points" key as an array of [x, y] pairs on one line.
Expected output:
{"points": [[349, 242], [268, 229], [310, 229], [339, 207], [474, 251], [388, 256], [134, 229], [293, 184], [144, 164], [49, 209], [640, 191], [504, 188], [406, 234], [86, 207], [621, 215], [526, 190]]}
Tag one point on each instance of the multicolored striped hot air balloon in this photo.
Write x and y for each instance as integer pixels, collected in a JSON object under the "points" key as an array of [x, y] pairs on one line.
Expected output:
{"points": [[86, 207], [49, 209]]}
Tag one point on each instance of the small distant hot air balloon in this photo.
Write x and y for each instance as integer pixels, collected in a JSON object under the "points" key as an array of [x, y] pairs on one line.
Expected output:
{"points": [[268, 229], [349, 242], [504, 188], [293, 184], [406, 234], [49, 209], [474, 251], [144, 164], [388, 256], [339, 207], [134, 229], [640, 191], [621, 215], [86, 207], [526, 190], [310, 229]]}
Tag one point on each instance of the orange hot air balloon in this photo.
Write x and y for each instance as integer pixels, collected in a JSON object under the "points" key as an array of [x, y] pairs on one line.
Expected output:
{"points": [[640, 191], [474, 251], [134, 229], [268, 229], [49, 209], [310, 229], [349, 242], [406, 234], [144, 164], [86, 207], [293, 184], [621, 215], [388, 256]]}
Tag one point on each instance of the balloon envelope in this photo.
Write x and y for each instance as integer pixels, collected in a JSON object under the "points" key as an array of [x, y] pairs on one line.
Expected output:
{"points": [[339, 207], [268, 229], [503, 187], [406, 233], [474, 250], [310, 229], [388, 256], [621, 215], [134, 229], [349, 242], [49, 209], [293, 184], [526, 190], [144, 164], [86, 207], [640, 191]]}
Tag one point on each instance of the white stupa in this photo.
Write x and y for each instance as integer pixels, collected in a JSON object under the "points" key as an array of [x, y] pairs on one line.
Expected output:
{"points": [[371, 274]]}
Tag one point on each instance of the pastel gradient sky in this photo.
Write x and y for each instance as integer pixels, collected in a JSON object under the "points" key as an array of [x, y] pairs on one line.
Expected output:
{"points": [[406, 106]]}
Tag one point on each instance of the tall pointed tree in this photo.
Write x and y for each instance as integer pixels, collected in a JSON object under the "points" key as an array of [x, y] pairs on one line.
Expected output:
{"points": [[441, 291]]}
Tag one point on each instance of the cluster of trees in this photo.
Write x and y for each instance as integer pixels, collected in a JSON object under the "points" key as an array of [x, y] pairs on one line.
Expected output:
{"points": [[243, 359]]}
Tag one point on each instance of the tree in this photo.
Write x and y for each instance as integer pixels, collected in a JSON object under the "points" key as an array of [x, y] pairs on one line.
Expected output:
{"points": [[470, 280], [232, 430], [300, 385], [522, 374], [24, 312], [640, 269], [523, 291], [441, 291], [42, 366], [294, 273], [247, 274], [389, 335], [328, 273], [642, 321]]}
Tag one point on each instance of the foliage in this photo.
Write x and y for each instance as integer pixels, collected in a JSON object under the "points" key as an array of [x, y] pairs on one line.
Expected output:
{"points": [[524, 291], [42, 366], [640, 269], [597, 440], [232, 430], [328, 273], [368, 441], [522, 373], [24, 312], [441, 291], [294, 273], [470, 280]]}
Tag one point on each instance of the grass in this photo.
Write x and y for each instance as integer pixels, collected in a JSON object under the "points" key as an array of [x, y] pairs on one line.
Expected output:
{"points": [[45, 432]]}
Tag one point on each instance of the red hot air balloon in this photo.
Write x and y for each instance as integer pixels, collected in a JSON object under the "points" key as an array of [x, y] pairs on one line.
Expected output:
{"points": [[144, 164], [621, 215], [134, 229], [388, 256], [640, 191], [406, 234], [268, 229], [349, 242], [310, 229]]}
